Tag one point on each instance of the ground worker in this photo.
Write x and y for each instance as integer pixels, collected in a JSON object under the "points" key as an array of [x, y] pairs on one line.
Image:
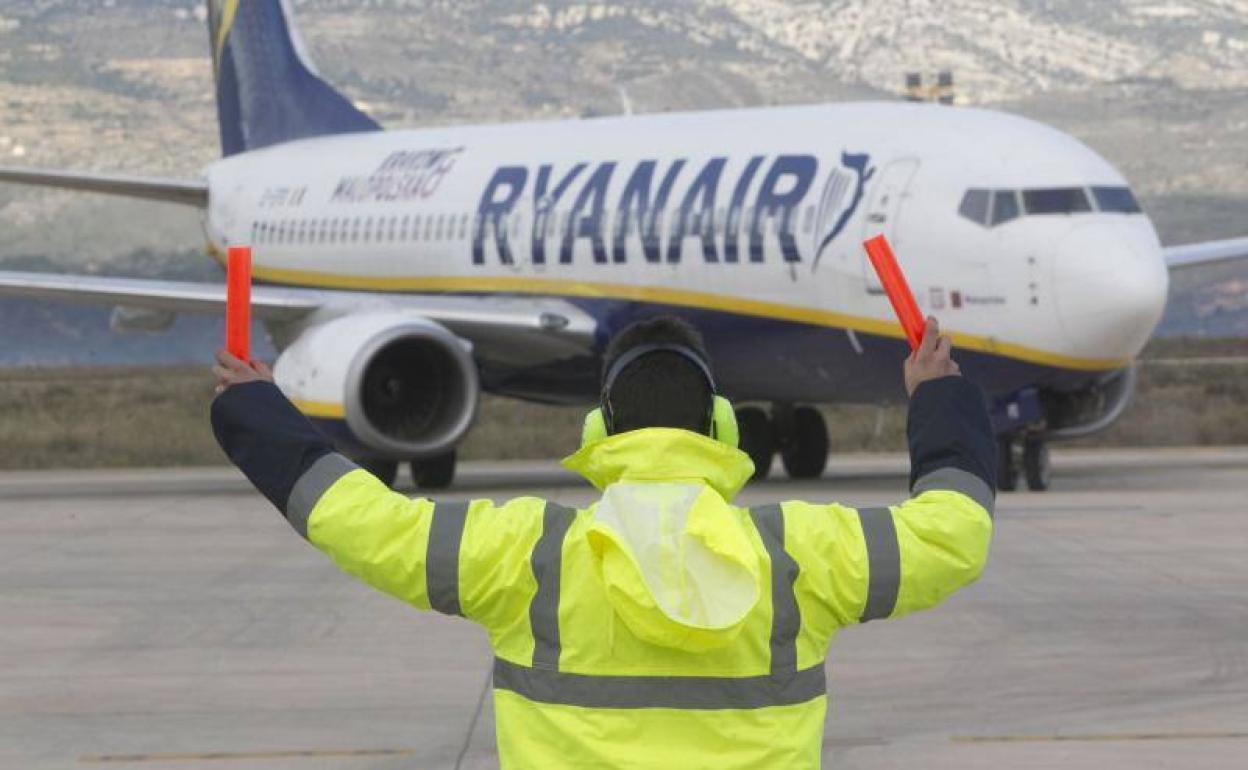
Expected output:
{"points": [[661, 626]]}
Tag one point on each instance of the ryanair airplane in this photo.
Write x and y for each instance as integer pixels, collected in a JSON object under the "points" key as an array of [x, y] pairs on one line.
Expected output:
{"points": [[401, 273]]}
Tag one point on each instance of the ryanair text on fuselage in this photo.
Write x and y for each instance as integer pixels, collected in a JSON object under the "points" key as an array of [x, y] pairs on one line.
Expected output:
{"points": [[641, 202]]}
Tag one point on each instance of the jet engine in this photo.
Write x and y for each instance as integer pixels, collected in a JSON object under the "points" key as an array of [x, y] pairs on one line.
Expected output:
{"points": [[406, 386]]}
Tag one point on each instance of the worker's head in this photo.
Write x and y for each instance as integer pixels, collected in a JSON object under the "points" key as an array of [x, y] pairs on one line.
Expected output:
{"points": [[656, 374]]}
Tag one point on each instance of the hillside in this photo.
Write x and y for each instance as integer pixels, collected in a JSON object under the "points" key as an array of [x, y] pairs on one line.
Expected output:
{"points": [[1160, 87]]}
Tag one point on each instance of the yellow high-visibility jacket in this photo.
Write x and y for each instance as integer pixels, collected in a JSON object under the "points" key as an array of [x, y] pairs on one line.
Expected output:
{"points": [[662, 626]]}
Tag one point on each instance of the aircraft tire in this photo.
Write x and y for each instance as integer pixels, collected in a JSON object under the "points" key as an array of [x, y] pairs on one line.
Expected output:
{"points": [[1036, 464], [757, 439], [386, 471], [805, 455], [1007, 466], [434, 472]]}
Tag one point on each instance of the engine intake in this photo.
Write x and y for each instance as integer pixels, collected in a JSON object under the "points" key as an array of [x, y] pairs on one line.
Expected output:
{"points": [[412, 392], [408, 387]]}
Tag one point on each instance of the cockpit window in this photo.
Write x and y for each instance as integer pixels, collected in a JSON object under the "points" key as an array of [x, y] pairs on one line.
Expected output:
{"points": [[1118, 200], [975, 206], [1004, 206], [1056, 200], [995, 207]]}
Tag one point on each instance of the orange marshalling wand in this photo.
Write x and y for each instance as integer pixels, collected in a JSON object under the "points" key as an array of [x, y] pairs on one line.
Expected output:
{"points": [[238, 303], [895, 286]]}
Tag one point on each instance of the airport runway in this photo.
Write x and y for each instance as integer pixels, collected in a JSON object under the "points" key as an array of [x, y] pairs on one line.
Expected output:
{"points": [[170, 619]]}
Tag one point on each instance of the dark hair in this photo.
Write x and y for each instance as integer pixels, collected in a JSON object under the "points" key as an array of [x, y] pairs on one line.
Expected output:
{"points": [[661, 389]]}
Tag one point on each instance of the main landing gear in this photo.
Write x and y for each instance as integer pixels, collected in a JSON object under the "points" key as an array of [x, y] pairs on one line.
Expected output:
{"points": [[431, 473], [1035, 463], [798, 434], [434, 472]]}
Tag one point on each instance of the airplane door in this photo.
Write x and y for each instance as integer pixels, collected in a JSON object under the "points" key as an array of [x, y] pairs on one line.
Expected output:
{"points": [[883, 210]]}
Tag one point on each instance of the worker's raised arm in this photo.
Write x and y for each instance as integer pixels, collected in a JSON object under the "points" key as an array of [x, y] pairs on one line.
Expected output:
{"points": [[460, 558], [872, 563], [929, 546]]}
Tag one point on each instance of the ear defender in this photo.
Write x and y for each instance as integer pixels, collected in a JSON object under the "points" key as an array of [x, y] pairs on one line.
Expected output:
{"points": [[723, 424], [595, 427]]}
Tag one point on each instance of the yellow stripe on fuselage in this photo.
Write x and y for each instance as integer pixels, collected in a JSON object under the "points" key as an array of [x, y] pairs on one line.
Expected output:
{"points": [[227, 23], [324, 409], [667, 296]]}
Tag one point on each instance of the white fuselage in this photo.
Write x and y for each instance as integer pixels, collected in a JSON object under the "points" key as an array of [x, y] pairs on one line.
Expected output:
{"points": [[756, 213]]}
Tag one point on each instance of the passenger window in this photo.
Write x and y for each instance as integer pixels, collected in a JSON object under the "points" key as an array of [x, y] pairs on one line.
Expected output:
{"points": [[1056, 200], [975, 206], [1116, 200], [403, 227], [1004, 206], [463, 226], [437, 227]]}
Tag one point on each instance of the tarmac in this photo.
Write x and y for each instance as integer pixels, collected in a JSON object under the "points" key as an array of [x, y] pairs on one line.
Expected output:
{"points": [[171, 619]]}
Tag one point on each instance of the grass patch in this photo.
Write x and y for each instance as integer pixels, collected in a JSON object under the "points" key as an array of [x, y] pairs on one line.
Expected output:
{"points": [[82, 418]]}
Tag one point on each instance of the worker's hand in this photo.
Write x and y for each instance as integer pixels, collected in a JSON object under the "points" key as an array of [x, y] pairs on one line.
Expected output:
{"points": [[232, 371], [931, 361]]}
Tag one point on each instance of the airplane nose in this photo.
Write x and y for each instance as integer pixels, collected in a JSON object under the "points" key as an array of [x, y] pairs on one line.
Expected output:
{"points": [[1111, 286]]}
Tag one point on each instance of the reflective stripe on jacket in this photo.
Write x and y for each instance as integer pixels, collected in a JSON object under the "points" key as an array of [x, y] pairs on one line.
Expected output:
{"points": [[661, 627]]}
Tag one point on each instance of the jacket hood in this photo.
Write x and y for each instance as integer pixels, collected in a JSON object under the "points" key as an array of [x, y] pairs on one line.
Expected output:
{"points": [[663, 454], [678, 562]]}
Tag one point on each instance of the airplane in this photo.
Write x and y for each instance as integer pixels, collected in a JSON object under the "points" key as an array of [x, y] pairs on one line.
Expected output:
{"points": [[402, 273]]}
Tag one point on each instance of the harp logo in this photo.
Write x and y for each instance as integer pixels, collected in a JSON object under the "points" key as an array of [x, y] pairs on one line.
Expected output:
{"points": [[842, 194]]}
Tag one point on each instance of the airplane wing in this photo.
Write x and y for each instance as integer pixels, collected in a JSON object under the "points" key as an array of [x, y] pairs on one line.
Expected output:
{"points": [[1195, 254], [510, 330], [191, 192]]}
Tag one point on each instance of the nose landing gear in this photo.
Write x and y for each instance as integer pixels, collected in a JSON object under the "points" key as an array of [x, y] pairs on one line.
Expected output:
{"points": [[1035, 463]]}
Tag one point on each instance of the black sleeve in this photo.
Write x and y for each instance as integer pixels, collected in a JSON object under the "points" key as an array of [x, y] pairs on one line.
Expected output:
{"points": [[269, 440], [948, 427]]}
